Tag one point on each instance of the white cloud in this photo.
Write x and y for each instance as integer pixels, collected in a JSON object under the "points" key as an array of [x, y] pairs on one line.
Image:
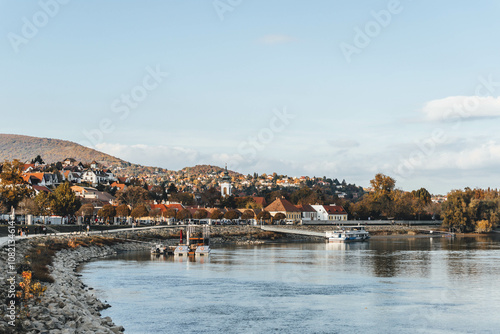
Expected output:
{"points": [[158, 156], [476, 157], [276, 39], [463, 107]]}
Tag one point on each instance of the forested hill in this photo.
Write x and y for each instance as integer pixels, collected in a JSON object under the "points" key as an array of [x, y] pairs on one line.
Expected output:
{"points": [[206, 169], [26, 148]]}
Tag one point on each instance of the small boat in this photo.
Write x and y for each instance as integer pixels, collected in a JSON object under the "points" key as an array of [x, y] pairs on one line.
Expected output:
{"points": [[348, 234], [194, 246], [158, 249]]}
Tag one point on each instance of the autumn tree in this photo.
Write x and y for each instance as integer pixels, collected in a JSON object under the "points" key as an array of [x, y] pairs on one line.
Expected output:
{"points": [[247, 214], [13, 188], [228, 202], [275, 194], [232, 214], [169, 213], [210, 197], [456, 211], [158, 193], [140, 211], [183, 214], [264, 215], [3, 208], [245, 202], [155, 213], [381, 199], [107, 211], [172, 189], [133, 196], [64, 201], [423, 195], [183, 197], [216, 214], [306, 195], [28, 206], [200, 214], [405, 205], [43, 203], [279, 216], [122, 211]]}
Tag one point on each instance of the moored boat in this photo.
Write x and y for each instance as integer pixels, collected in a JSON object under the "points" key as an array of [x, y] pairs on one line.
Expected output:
{"points": [[348, 234], [158, 249]]}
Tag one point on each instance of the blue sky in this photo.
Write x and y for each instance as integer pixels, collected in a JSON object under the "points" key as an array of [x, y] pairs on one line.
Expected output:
{"points": [[344, 89]]}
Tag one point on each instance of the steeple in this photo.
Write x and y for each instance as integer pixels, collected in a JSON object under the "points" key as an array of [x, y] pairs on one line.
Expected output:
{"points": [[226, 176], [225, 185]]}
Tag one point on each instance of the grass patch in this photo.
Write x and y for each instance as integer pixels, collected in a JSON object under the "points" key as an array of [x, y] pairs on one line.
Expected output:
{"points": [[41, 256]]}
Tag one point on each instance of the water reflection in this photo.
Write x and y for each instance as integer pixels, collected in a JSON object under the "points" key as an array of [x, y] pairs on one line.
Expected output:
{"points": [[171, 258], [393, 285], [390, 257]]}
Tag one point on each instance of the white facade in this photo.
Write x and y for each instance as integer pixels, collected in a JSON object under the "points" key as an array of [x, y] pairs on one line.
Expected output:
{"points": [[309, 215], [96, 177], [225, 189], [320, 212]]}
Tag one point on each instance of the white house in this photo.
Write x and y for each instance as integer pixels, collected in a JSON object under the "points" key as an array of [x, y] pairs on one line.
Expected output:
{"points": [[72, 176], [308, 212], [96, 177], [330, 212]]}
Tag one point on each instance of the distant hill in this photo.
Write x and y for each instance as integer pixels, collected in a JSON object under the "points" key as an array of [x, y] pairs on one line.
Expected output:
{"points": [[206, 169], [26, 148]]}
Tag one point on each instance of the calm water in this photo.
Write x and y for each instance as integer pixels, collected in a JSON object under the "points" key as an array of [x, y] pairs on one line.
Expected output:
{"points": [[382, 286]]}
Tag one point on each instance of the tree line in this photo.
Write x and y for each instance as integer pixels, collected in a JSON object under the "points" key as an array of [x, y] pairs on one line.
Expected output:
{"points": [[464, 211]]}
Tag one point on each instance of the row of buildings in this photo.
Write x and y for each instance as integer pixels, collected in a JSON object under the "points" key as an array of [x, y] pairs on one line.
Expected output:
{"points": [[307, 214]]}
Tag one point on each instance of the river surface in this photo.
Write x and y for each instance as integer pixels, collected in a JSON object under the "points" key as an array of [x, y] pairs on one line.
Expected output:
{"points": [[393, 285]]}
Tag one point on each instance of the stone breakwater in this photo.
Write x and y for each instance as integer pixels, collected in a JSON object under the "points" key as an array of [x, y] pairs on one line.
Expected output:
{"points": [[67, 305]]}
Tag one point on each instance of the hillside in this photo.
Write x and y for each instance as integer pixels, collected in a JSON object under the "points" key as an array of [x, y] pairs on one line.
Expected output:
{"points": [[206, 169], [26, 148]]}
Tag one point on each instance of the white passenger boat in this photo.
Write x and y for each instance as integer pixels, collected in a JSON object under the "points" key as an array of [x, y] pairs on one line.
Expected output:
{"points": [[348, 234]]}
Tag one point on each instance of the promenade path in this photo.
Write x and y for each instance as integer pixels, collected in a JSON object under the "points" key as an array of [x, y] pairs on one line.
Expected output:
{"points": [[4, 240]]}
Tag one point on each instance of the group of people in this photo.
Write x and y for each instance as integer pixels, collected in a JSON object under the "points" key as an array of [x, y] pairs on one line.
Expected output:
{"points": [[24, 231]]}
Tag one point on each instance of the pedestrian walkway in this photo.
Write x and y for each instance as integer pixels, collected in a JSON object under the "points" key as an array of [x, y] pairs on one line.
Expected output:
{"points": [[53, 232]]}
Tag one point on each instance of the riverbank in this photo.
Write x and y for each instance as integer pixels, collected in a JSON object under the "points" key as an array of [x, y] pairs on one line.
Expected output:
{"points": [[67, 306]]}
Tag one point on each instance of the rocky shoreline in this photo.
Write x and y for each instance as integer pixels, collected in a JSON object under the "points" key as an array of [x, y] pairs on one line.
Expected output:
{"points": [[68, 306]]}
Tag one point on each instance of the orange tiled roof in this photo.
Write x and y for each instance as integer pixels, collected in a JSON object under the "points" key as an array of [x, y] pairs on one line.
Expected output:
{"points": [[334, 209], [27, 176], [281, 204], [260, 200], [306, 208]]}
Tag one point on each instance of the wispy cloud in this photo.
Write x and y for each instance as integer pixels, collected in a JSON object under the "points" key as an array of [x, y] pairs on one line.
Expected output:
{"points": [[463, 107], [161, 156], [274, 39]]}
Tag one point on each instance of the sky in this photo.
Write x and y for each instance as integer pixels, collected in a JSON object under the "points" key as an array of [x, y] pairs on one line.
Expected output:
{"points": [[342, 89]]}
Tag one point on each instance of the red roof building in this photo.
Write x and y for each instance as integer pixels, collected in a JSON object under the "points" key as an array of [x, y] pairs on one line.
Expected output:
{"points": [[281, 205]]}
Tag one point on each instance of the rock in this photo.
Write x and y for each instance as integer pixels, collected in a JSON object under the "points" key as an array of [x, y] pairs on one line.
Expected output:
{"points": [[117, 329]]}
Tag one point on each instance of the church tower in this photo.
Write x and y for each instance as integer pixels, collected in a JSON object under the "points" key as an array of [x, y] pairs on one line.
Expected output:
{"points": [[225, 185]]}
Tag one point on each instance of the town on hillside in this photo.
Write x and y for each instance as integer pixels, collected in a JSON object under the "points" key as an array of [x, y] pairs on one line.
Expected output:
{"points": [[70, 191]]}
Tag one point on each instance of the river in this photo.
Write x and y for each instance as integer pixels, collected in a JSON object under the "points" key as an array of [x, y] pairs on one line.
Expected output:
{"points": [[393, 285]]}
